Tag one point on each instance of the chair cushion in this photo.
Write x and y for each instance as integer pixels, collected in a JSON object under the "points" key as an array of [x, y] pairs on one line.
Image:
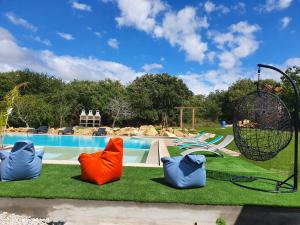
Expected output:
{"points": [[185, 171], [104, 166], [23, 162]]}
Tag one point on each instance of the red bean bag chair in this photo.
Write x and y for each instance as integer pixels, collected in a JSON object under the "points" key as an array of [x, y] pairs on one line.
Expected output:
{"points": [[104, 166]]}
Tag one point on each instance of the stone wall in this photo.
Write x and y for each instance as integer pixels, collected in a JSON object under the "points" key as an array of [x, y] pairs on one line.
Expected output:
{"points": [[145, 130]]}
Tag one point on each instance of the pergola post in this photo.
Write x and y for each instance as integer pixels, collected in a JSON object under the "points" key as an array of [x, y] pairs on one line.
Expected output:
{"points": [[181, 108], [181, 118], [193, 118]]}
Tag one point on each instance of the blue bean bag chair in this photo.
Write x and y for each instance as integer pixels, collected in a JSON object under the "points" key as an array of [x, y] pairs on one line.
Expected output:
{"points": [[23, 162], [185, 171]]}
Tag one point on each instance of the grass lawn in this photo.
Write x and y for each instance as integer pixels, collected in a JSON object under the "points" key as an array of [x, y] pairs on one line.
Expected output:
{"points": [[282, 163], [146, 185]]}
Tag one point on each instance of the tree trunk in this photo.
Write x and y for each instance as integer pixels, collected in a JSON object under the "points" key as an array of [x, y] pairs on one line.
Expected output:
{"points": [[115, 119]]}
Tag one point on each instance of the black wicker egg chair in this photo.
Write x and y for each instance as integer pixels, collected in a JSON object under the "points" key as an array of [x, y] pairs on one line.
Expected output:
{"points": [[262, 128]]}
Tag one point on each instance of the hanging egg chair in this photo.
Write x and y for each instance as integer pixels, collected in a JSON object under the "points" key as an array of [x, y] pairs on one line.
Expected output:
{"points": [[263, 126]]}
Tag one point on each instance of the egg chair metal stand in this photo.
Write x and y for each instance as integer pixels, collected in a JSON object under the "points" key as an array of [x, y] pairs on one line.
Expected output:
{"points": [[262, 128]]}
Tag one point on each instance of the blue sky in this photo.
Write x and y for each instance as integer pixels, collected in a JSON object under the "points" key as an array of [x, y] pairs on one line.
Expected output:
{"points": [[208, 44]]}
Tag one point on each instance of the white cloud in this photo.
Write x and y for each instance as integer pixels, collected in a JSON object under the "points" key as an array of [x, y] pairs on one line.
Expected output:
{"points": [[15, 57], [141, 16], [210, 7], [240, 7], [211, 56], [271, 5], [212, 80], [98, 34], [181, 29], [149, 67], [113, 43], [41, 40], [236, 44], [20, 21], [285, 21], [81, 6], [65, 36], [292, 62]]}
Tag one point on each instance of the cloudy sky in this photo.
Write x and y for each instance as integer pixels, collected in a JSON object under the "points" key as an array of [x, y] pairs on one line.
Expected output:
{"points": [[208, 44]]}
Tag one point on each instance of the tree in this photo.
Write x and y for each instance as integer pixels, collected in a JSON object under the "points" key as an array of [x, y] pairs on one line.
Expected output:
{"points": [[213, 105], [119, 109], [152, 96], [288, 93], [33, 110]]}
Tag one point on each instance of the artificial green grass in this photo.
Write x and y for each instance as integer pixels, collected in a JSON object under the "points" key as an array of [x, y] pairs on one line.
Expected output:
{"points": [[146, 185], [283, 162]]}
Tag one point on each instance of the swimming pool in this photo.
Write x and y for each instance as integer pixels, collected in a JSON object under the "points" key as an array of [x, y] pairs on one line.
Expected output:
{"points": [[69, 147]]}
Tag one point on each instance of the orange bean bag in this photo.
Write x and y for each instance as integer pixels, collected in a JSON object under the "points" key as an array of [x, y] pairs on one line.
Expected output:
{"points": [[104, 166]]}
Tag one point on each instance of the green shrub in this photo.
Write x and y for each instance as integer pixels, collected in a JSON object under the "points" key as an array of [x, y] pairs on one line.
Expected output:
{"points": [[220, 221]]}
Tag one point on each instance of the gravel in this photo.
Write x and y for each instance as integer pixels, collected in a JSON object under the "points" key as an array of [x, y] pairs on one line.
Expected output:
{"points": [[13, 219]]}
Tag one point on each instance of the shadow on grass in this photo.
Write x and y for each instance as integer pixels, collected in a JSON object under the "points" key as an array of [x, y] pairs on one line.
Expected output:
{"points": [[78, 178], [219, 175], [161, 181]]}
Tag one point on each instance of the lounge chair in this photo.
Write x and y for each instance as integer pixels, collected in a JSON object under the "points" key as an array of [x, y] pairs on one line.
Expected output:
{"points": [[200, 135], [200, 139], [211, 148], [67, 130], [201, 144], [41, 130], [100, 132]]}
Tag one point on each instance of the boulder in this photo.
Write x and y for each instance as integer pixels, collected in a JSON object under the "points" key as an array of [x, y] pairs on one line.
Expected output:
{"points": [[167, 133], [109, 131], [85, 131], [178, 133], [52, 131], [148, 130], [170, 129], [128, 131]]}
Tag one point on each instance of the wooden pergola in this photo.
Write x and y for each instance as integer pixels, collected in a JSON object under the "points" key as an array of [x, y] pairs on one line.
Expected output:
{"points": [[181, 108]]}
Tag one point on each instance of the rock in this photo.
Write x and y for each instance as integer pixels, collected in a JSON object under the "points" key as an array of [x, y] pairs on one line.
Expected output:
{"points": [[52, 131], [85, 131], [109, 131], [168, 134], [178, 133], [170, 129], [129, 131], [19, 129], [148, 130]]}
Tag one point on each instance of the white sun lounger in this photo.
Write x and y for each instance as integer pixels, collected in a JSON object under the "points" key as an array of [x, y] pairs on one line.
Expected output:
{"points": [[211, 148]]}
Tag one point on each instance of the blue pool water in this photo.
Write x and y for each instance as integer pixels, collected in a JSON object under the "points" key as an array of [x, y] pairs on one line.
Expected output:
{"points": [[76, 141]]}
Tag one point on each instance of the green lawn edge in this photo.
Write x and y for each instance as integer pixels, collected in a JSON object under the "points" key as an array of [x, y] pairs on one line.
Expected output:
{"points": [[141, 185]]}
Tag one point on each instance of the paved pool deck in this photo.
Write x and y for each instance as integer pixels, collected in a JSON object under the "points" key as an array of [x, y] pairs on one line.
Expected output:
{"points": [[134, 213]]}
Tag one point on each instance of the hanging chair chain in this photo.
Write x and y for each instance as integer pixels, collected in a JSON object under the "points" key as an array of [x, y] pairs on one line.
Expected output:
{"points": [[258, 78]]}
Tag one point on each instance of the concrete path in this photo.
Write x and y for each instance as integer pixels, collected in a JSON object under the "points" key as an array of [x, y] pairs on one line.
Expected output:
{"points": [[133, 213]]}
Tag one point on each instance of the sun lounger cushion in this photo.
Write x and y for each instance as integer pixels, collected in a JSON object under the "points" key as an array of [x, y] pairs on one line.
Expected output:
{"points": [[185, 172], [104, 166], [23, 162]]}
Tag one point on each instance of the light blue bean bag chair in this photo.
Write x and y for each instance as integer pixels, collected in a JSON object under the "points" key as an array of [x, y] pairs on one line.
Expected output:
{"points": [[23, 162], [185, 171]]}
